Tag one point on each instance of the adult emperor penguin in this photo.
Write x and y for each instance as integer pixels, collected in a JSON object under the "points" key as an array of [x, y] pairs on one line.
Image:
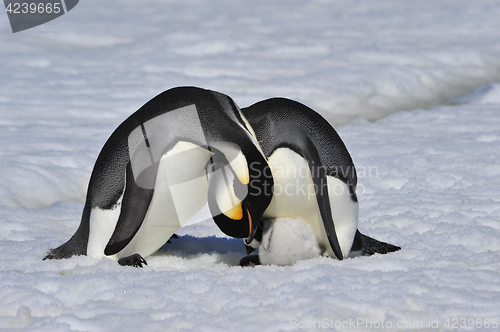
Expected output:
{"points": [[158, 169], [314, 177]]}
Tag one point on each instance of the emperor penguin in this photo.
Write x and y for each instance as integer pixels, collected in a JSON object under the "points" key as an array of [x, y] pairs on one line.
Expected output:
{"points": [[183, 148], [314, 181]]}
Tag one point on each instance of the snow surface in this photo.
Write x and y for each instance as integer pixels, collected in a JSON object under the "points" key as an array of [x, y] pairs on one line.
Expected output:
{"points": [[429, 175]]}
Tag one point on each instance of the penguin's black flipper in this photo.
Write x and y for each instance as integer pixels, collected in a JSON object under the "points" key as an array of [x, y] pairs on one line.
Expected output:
{"points": [[369, 246], [134, 207], [250, 260], [134, 260], [318, 174]]}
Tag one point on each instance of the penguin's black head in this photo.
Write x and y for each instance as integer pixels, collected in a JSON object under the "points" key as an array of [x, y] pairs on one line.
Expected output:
{"points": [[239, 192]]}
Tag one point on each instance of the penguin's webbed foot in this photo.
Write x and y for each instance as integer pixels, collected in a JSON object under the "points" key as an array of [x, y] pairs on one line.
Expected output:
{"points": [[250, 260], [134, 260], [174, 236]]}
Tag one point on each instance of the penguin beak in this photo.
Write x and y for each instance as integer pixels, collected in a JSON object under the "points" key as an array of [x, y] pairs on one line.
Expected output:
{"points": [[253, 221], [244, 212]]}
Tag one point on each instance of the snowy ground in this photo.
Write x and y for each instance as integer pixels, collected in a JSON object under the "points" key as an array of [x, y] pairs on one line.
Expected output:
{"points": [[429, 180]]}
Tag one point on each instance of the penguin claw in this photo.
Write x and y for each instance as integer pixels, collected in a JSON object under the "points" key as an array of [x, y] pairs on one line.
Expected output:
{"points": [[134, 260]]}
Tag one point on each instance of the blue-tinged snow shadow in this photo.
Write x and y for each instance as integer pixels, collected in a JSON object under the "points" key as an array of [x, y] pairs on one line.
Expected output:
{"points": [[188, 245]]}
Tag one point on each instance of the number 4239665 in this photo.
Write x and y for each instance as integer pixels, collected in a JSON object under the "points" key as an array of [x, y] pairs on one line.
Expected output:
{"points": [[32, 8], [455, 323]]}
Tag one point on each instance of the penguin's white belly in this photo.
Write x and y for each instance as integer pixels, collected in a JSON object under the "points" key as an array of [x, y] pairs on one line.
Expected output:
{"points": [[102, 223], [295, 197], [344, 215], [294, 194], [180, 191]]}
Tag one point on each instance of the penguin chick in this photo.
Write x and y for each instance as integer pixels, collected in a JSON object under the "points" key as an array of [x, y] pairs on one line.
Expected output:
{"points": [[286, 241]]}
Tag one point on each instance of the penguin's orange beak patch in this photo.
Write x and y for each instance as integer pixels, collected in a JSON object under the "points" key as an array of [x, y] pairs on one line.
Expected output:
{"points": [[235, 213]]}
